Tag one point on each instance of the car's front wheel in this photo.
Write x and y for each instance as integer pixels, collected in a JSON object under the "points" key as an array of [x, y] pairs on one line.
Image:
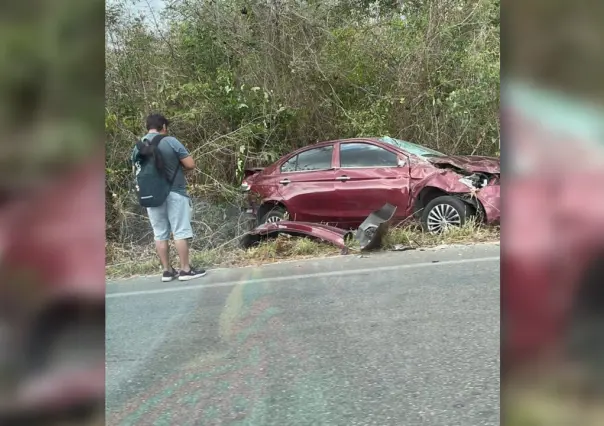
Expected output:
{"points": [[445, 212]]}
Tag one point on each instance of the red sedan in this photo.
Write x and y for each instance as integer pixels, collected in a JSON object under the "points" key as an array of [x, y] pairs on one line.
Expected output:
{"points": [[341, 182]]}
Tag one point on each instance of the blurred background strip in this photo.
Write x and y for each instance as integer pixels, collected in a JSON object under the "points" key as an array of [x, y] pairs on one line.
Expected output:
{"points": [[52, 213]]}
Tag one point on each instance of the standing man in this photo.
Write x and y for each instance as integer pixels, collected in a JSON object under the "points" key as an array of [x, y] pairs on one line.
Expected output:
{"points": [[157, 150]]}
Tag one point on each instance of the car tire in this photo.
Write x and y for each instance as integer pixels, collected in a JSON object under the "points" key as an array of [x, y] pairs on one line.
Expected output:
{"points": [[444, 211], [275, 214]]}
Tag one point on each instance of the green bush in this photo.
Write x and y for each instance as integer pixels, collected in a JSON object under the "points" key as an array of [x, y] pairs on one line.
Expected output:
{"points": [[246, 81]]}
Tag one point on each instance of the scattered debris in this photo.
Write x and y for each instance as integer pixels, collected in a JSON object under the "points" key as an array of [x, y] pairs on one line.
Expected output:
{"points": [[372, 230], [402, 247], [327, 233], [369, 235]]}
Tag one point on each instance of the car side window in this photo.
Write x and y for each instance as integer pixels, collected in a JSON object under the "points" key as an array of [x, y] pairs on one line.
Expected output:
{"points": [[290, 165], [366, 155], [313, 159]]}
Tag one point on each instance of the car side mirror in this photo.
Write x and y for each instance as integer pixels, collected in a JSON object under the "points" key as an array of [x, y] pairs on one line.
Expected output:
{"points": [[401, 162]]}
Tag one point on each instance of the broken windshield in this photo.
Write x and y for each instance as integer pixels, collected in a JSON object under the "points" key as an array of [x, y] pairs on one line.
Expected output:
{"points": [[412, 148]]}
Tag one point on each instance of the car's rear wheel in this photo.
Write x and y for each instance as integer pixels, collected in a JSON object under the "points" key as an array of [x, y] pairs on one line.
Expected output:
{"points": [[273, 214], [445, 212]]}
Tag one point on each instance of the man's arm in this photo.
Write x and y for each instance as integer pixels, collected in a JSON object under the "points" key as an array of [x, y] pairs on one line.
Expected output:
{"points": [[188, 163], [182, 153]]}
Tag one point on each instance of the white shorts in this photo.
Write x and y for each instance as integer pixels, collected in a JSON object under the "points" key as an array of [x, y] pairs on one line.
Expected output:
{"points": [[172, 217]]}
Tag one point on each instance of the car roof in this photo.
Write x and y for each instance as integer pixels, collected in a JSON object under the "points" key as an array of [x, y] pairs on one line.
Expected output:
{"points": [[373, 140], [330, 142], [350, 140]]}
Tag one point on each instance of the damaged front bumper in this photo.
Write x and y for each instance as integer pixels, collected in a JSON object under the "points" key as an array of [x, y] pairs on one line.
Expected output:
{"points": [[489, 198], [369, 235], [485, 190]]}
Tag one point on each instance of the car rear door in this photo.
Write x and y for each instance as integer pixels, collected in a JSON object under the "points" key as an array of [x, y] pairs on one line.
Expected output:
{"points": [[307, 185], [367, 177]]}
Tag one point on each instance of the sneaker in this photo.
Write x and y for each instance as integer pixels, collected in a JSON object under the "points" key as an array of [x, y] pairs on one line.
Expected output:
{"points": [[192, 273], [169, 275]]}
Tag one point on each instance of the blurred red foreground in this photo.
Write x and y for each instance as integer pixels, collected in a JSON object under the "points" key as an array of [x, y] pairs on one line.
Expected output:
{"points": [[52, 296]]}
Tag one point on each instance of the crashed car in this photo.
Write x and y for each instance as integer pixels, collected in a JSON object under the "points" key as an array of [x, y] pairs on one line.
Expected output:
{"points": [[342, 182]]}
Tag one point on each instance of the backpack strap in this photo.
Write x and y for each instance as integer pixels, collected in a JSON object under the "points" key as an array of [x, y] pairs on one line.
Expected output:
{"points": [[159, 162], [144, 148], [157, 139], [148, 149]]}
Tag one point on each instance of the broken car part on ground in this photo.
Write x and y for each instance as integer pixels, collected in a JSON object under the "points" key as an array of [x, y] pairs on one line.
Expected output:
{"points": [[369, 235], [342, 182]]}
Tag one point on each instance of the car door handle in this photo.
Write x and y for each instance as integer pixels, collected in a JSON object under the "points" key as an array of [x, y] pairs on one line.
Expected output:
{"points": [[284, 181], [341, 178]]}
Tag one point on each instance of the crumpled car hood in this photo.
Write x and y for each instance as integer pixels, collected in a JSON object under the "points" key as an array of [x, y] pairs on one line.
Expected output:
{"points": [[470, 163]]}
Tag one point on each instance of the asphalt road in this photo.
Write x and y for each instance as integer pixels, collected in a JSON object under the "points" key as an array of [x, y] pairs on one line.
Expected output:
{"points": [[407, 338]]}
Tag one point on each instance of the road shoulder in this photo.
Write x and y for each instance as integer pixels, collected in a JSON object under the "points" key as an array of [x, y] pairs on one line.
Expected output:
{"points": [[341, 265]]}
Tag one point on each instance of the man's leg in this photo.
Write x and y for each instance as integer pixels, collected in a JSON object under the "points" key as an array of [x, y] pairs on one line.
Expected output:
{"points": [[158, 216], [182, 248], [179, 212], [163, 251], [179, 215]]}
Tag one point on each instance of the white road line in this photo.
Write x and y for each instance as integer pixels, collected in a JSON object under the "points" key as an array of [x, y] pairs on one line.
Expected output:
{"points": [[302, 276]]}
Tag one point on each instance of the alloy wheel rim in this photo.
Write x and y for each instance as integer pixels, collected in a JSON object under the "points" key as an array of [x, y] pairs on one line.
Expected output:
{"points": [[273, 219], [443, 216]]}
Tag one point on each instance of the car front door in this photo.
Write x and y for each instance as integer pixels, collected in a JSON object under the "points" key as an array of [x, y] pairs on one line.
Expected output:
{"points": [[367, 177], [307, 185]]}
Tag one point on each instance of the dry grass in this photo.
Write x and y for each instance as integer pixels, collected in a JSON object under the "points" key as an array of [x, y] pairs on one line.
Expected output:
{"points": [[411, 235], [130, 260]]}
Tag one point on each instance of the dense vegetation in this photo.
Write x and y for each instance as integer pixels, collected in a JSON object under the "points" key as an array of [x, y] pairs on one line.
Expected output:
{"points": [[246, 81]]}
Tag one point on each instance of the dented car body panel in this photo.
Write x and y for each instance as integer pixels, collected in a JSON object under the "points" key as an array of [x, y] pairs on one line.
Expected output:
{"points": [[479, 188], [369, 235], [322, 232], [367, 190], [489, 198], [326, 183]]}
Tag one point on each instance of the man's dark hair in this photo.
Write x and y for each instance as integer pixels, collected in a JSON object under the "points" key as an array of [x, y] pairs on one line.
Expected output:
{"points": [[157, 122]]}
